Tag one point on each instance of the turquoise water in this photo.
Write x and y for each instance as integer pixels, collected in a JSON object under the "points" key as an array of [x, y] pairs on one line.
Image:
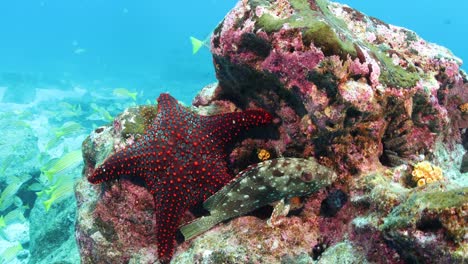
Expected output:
{"points": [[441, 22], [67, 67], [144, 45]]}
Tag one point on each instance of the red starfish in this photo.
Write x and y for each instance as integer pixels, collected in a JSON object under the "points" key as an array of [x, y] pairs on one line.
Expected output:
{"points": [[181, 158]]}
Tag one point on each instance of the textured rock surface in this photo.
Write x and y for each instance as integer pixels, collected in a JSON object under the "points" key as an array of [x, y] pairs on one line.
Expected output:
{"points": [[115, 221], [363, 97], [52, 233], [368, 99], [342, 83]]}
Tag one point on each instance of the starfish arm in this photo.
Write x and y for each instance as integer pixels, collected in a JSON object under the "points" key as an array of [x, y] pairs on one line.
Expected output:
{"points": [[228, 126], [112, 168], [167, 221], [215, 178], [169, 111], [133, 160], [166, 101]]}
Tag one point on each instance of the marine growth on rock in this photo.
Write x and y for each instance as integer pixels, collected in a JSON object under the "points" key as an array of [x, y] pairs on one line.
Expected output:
{"points": [[358, 106]]}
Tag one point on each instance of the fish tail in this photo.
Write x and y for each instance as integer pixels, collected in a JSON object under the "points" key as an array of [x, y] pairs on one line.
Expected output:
{"points": [[134, 95], [49, 175], [53, 141], [196, 44], [48, 203], [198, 226]]}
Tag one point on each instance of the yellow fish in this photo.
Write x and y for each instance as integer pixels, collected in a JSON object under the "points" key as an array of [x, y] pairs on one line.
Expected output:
{"points": [[16, 215], [197, 44], [10, 253], [67, 129], [64, 190], [104, 114], [6, 197], [122, 92], [66, 162]]}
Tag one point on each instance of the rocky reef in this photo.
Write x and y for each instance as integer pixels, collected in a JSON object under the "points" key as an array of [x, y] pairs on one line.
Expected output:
{"points": [[372, 101]]}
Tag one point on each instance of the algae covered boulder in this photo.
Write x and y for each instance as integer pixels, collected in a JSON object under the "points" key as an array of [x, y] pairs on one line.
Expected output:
{"points": [[369, 99], [342, 82], [433, 218], [117, 224], [373, 102]]}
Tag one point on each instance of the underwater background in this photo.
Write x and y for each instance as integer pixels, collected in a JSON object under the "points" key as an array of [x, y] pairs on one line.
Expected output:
{"points": [[145, 45], [68, 67]]}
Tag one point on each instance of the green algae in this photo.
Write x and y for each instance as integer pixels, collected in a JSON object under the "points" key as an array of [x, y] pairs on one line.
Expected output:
{"points": [[381, 192], [429, 201], [411, 36], [367, 221], [323, 36], [270, 23], [317, 27], [333, 37], [142, 118], [134, 121], [430, 209], [255, 3], [394, 75], [343, 252], [441, 200], [343, 43], [300, 5]]}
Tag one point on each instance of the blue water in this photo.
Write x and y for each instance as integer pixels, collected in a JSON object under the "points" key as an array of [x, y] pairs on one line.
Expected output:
{"points": [[143, 45], [441, 22]]}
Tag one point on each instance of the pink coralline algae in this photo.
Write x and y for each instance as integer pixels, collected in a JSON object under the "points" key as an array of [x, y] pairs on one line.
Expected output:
{"points": [[363, 98], [342, 84], [292, 67]]}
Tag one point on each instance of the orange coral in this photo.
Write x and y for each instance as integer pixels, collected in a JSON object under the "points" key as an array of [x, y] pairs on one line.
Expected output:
{"points": [[424, 173], [263, 154], [464, 108]]}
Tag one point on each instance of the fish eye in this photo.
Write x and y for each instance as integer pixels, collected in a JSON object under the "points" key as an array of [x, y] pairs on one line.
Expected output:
{"points": [[306, 176]]}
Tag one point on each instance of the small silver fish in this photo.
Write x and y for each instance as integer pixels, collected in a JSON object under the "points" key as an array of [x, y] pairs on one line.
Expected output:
{"points": [[258, 185]]}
